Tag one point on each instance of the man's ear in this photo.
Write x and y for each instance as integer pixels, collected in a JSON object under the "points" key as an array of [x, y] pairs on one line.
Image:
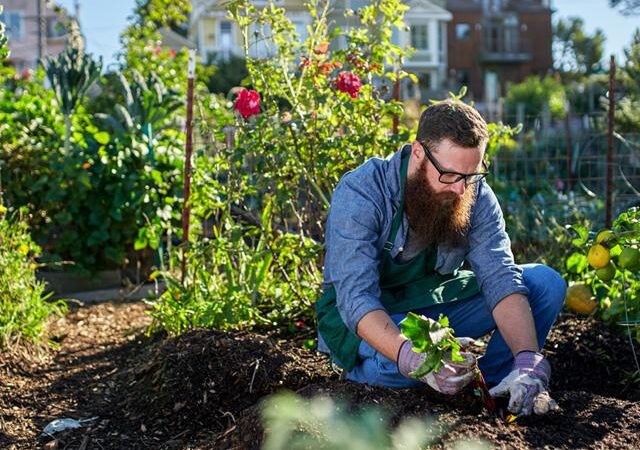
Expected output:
{"points": [[416, 150]]}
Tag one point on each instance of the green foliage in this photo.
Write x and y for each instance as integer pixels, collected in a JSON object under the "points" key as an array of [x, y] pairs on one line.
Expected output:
{"points": [[147, 105], [577, 52], [151, 15], [242, 277], [536, 94], [24, 310], [626, 7], [627, 114], [89, 202], [620, 296], [434, 339], [71, 74], [310, 133], [294, 423], [4, 49], [228, 74]]}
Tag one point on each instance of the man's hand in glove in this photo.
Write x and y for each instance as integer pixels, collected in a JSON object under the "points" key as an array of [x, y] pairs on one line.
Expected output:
{"points": [[449, 379], [526, 385]]}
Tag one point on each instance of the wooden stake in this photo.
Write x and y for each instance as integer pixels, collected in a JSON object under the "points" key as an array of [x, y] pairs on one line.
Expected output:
{"points": [[186, 209]]}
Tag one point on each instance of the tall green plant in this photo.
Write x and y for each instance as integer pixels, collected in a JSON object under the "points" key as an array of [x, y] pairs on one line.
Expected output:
{"points": [[24, 309], [71, 74]]}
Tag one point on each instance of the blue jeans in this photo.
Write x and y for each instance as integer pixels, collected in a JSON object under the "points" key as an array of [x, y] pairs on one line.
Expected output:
{"points": [[472, 318]]}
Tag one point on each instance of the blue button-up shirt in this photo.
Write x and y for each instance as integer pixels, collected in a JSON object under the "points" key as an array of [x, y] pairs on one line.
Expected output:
{"points": [[358, 225]]}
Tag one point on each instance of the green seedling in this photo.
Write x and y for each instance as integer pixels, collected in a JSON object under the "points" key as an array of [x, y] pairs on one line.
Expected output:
{"points": [[436, 340], [433, 338]]}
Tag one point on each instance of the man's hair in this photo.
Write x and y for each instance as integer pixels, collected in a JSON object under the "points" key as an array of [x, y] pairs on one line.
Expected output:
{"points": [[454, 120]]}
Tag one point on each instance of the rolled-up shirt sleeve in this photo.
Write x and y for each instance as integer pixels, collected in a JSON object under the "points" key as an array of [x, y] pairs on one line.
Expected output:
{"points": [[490, 253], [352, 254]]}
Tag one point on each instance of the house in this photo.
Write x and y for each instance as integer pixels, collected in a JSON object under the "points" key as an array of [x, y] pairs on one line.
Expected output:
{"points": [[35, 28], [216, 36], [493, 43]]}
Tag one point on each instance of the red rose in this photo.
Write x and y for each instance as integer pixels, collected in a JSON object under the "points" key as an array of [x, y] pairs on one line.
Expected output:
{"points": [[350, 83], [247, 103]]}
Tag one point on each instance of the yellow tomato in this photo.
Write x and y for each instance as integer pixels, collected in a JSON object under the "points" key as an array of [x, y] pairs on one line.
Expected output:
{"points": [[579, 299], [598, 256]]}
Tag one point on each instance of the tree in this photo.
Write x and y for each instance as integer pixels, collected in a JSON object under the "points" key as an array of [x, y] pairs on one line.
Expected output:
{"points": [[151, 15], [577, 52], [627, 7], [628, 108]]}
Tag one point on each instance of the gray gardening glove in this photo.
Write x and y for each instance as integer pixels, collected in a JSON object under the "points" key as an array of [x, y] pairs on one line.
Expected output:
{"points": [[526, 385], [449, 379]]}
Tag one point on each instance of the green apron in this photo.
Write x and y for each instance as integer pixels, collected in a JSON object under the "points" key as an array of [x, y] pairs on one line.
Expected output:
{"points": [[405, 287]]}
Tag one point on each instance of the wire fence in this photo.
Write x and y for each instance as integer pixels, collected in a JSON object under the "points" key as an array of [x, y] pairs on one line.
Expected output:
{"points": [[567, 161]]}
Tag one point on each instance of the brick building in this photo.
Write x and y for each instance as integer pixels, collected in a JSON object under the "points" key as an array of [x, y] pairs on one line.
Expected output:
{"points": [[24, 28], [493, 43]]}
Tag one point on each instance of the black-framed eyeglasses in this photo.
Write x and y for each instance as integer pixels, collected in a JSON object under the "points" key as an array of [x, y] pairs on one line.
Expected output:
{"points": [[449, 177]]}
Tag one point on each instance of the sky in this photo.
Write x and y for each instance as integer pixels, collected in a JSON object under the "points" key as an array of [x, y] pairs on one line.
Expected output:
{"points": [[102, 21]]}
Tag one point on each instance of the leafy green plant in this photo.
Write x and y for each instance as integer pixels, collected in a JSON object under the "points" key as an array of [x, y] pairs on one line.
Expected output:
{"points": [[243, 277], [436, 340], [71, 74], [24, 309], [433, 338]]}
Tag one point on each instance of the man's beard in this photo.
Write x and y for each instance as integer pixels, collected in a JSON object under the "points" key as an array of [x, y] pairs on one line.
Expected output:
{"points": [[437, 218]]}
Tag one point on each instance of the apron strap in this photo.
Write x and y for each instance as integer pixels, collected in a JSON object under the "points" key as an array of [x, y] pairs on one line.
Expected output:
{"points": [[397, 218]]}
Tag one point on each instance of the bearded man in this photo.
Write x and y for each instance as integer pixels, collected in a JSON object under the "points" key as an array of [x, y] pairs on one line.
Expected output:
{"points": [[397, 235]]}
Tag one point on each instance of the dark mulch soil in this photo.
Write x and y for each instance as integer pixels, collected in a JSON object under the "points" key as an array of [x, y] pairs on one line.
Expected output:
{"points": [[203, 389]]}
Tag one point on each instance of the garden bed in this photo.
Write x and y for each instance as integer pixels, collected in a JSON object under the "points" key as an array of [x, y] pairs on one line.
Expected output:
{"points": [[202, 390]]}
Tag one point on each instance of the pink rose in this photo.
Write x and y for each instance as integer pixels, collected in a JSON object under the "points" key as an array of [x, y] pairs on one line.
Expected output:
{"points": [[350, 83], [247, 103]]}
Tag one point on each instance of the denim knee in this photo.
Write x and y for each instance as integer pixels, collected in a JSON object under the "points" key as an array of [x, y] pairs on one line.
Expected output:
{"points": [[547, 288]]}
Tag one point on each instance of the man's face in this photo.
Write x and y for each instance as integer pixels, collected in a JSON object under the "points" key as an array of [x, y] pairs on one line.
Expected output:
{"points": [[447, 156], [440, 212]]}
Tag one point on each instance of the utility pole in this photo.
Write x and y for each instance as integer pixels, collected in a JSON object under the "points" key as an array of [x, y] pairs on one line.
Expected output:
{"points": [[42, 28]]}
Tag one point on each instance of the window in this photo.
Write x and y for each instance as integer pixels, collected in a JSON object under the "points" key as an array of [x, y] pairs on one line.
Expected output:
{"points": [[226, 39], [420, 37], [13, 21], [463, 31]]}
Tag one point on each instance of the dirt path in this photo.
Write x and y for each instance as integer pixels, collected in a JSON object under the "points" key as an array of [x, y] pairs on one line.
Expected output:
{"points": [[96, 342], [201, 390]]}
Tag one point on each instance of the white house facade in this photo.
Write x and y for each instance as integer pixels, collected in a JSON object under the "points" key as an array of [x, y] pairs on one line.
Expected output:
{"points": [[217, 36]]}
